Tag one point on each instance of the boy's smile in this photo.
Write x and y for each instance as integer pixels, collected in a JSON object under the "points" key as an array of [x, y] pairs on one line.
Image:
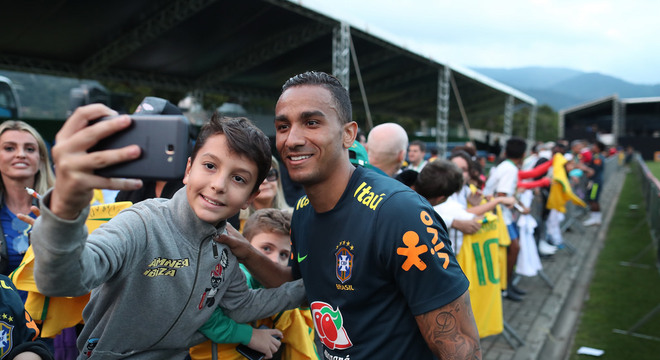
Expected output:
{"points": [[219, 182]]}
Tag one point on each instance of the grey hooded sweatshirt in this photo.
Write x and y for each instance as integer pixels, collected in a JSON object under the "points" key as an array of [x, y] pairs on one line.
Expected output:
{"points": [[156, 275]]}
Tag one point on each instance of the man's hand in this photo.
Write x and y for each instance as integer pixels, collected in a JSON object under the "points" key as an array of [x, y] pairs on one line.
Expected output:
{"points": [[450, 331], [238, 244], [474, 199], [268, 273], [74, 166], [264, 341]]}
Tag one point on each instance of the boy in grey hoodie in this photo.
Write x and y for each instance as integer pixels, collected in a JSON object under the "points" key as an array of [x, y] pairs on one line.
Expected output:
{"points": [[155, 271]]}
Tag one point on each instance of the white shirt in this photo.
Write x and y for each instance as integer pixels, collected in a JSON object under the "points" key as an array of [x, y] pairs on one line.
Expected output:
{"points": [[449, 211], [503, 179]]}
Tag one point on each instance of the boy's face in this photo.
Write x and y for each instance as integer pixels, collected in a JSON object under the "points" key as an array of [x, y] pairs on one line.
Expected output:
{"points": [[276, 246], [219, 182], [310, 137]]}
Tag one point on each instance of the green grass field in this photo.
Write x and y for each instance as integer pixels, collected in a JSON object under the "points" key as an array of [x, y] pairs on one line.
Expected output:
{"points": [[655, 168], [620, 296]]}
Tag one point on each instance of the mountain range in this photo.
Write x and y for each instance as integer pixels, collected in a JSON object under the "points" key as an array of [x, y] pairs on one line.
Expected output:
{"points": [[562, 88]]}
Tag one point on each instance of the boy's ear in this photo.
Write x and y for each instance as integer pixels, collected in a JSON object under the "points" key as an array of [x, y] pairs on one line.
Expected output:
{"points": [[188, 166], [349, 134], [250, 199]]}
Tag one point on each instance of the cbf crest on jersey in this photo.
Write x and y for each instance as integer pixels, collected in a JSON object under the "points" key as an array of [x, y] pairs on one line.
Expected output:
{"points": [[5, 338], [344, 261]]}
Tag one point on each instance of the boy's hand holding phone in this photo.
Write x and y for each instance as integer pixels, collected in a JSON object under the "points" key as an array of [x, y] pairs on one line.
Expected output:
{"points": [[264, 340], [74, 166]]}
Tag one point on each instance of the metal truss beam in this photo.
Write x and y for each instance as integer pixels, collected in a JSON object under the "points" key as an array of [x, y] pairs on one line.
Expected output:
{"points": [[158, 23], [618, 120], [508, 116], [38, 66], [341, 53], [301, 10], [263, 51], [442, 114], [531, 129]]}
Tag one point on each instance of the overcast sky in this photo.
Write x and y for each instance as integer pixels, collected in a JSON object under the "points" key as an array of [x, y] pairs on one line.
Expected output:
{"points": [[612, 37]]}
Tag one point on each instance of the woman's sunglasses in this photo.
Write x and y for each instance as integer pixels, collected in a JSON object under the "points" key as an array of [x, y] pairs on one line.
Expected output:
{"points": [[273, 175]]}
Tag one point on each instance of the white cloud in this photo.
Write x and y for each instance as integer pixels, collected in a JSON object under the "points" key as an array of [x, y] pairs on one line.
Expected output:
{"points": [[608, 36]]}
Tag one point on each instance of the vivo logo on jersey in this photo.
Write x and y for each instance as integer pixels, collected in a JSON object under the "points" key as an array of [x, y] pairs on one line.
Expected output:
{"points": [[367, 197]]}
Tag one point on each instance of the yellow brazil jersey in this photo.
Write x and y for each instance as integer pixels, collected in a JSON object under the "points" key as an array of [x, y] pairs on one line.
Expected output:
{"points": [[480, 260]]}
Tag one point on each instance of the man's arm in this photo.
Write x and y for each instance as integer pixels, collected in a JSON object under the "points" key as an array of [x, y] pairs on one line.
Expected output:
{"points": [[451, 331], [268, 273]]}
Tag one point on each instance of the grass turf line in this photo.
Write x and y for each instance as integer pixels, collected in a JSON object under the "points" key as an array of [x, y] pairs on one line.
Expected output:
{"points": [[619, 296]]}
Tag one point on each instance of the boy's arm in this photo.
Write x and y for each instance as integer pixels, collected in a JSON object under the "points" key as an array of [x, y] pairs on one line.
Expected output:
{"points": [[59, 235], [490, 205], [451, 331], [74, 166], [268, 273], [244, 305], [221, 329]]}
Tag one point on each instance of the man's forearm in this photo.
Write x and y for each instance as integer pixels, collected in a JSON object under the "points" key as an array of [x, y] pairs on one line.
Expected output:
{"points": [[268, 273], [451, 331]]}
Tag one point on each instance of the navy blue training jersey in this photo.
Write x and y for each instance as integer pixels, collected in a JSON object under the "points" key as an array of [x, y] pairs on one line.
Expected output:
{"points": [[372, 264]]}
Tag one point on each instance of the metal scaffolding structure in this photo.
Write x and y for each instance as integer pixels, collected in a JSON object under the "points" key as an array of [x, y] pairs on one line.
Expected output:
{"points": [[508, 117], [531, 128], [341, 56], [442, 119]]}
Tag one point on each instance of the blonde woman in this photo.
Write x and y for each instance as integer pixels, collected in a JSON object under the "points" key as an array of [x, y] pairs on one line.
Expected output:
{"points": [[271, 194], [24, 163]]}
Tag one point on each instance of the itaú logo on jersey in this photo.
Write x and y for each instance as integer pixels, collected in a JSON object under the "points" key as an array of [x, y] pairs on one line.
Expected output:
{"points": [[329, 326]]}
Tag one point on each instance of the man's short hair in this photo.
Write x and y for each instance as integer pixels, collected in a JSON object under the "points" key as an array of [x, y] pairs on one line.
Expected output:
{"points": [[439, 178], [329, 82], [267, 221], [421, 144], [515, 148], [243, 138]]}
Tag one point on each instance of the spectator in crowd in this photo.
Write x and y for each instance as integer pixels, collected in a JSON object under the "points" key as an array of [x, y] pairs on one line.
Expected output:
{"points": [[454, 210], [18, 332], [24, 163], [434, 154], [158, 251], [416, 154], [271, 194], [268, 231], [386, 147], [438, 182], [361, 138], [503, 181], [596, 165], [376, 266], [496, 148]]}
